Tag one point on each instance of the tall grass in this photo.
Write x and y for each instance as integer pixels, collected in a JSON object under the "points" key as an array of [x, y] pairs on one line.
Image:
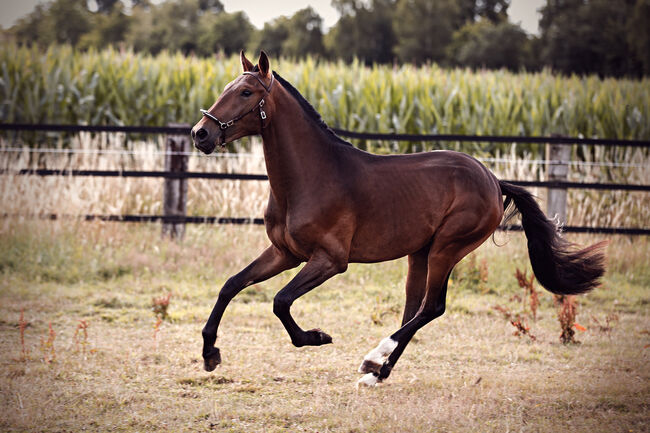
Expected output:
{"points": [[121, 87], [28, 195]]}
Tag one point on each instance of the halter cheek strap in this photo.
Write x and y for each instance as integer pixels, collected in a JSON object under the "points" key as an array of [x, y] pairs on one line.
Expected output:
{"points": [[228, 124]]}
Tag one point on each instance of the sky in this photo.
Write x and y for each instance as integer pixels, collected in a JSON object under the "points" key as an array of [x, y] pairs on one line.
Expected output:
{"points": [[522, 12]]}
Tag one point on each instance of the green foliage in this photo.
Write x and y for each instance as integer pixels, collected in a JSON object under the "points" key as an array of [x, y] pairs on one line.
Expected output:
{"points": [[593, 37], [294, 37], [364, 31], [62, 85], [482, 44], [424, 29], [224, 32], [610, 38]]}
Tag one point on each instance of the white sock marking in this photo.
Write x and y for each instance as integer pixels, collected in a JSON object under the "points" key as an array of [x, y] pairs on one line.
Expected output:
{"points": [[368, 380], [379, 354]]}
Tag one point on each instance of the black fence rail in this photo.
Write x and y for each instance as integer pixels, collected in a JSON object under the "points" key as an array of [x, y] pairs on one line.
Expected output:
{"points": [[185, 130], [179, 147], [183, 219], [242, 176]]}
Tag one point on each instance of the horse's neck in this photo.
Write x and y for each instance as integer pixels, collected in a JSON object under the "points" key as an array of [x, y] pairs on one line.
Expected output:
{"points": [[298, 154]]}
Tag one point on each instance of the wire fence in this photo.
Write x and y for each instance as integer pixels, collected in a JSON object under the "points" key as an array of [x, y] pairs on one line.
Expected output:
{"points": [[183, 175]]}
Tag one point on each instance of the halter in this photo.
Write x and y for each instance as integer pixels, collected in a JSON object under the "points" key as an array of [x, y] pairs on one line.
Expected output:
{"points": [[228, 124]]}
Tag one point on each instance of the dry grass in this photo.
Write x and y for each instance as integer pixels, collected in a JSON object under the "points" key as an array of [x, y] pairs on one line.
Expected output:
{"points": [[231, 198], [464, 372]]}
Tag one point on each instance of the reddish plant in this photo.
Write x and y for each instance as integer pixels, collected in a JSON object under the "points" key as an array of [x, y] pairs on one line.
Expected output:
{"points": [[156, 329], [22, 325], [566, 314], [529, 291], [47, 346], [82, 328], [521, 327], [610, 319], [160, 306]]}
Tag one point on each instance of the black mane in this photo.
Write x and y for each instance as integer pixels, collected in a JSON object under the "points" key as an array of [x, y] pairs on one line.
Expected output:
{"points": [[308, 108]]}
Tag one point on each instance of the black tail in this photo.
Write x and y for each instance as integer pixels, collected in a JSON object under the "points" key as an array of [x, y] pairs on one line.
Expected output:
{"points": [[556, 267]]}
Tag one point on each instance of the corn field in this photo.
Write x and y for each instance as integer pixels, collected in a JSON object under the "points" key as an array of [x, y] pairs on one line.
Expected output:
{"points": [[120, 87]]}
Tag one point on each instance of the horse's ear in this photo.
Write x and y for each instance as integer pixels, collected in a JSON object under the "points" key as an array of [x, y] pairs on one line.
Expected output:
{"points": [[245, 63], [263, 64]]}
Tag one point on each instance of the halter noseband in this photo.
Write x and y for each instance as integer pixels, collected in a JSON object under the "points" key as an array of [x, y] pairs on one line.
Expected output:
{"points": [[228, 124]]}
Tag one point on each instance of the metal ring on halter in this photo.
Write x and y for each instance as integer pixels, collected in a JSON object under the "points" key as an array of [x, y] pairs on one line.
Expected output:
{"points": [[206, 113]]}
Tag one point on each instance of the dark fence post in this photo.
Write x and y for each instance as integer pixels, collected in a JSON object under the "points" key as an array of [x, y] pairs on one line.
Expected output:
{"points": [[175, 190], [559, 156]]}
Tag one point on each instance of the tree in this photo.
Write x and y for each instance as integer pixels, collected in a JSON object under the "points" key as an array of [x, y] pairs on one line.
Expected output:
{"points": [[484, 44], [588, 36], [170, 26], [424, 29], [225, 32], [106, 6], [108, 28], [364, 31], [271, 37], [296, 36], [494, 11], [638, 35], [305, 34], [62, 21]]}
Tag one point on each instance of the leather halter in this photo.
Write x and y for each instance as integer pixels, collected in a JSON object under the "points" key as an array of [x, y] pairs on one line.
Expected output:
{"points": [[228, 124]]}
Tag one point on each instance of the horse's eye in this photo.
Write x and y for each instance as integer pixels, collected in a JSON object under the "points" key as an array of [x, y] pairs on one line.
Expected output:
{"points": [[246, 93]]}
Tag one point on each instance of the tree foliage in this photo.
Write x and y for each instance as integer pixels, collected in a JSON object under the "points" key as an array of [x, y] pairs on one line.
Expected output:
{"points": [[608, 37]]}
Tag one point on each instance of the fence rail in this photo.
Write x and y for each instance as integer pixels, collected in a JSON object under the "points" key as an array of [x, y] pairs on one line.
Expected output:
{"points": [[176, 174], [184, 130], [182, 219], [241, 176]]}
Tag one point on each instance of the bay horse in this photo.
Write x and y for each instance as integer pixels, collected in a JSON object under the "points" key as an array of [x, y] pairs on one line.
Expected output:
{"points": [[331, 204]]}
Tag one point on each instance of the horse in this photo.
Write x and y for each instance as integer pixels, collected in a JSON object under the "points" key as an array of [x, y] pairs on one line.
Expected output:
{"points": [[331, 204]]}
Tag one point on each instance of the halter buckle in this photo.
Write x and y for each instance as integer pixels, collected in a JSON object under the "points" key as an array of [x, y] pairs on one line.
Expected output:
{"points": [[262, 114]]}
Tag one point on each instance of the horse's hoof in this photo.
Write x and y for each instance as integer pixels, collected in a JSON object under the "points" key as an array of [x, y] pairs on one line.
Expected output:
{"points": [[317, 337], [211, 359], [368, 366], [370, 380]]}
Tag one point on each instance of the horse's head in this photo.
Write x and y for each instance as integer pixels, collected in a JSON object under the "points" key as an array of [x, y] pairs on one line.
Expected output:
{"points": [[241, 110]]}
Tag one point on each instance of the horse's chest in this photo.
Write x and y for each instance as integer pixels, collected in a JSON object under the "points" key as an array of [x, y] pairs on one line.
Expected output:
{"points": [[284, 237]]}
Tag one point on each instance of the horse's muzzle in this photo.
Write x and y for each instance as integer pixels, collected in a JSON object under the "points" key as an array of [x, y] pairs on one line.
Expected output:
{"points": [[203, 141]]}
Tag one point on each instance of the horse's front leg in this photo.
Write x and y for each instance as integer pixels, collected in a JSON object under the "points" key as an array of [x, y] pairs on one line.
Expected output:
{"points": [[270, 263], [318, 269]]}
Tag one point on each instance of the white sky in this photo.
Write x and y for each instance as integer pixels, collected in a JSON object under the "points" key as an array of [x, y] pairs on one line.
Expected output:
{"points": [[523, 12]]}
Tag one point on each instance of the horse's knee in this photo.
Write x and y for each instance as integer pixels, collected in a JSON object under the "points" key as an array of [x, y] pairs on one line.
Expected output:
{"points": [[229, 290]]}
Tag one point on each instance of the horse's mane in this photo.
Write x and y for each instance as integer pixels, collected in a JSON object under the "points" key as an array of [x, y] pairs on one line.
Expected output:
{"points": [[308, 108]]}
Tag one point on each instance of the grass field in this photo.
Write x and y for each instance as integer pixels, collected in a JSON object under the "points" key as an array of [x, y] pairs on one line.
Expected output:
{"points": [[464, 372]]}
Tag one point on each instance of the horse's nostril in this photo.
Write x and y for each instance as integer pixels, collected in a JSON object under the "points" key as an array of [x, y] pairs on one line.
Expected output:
{"points": [[192, 133], [202, 134]]}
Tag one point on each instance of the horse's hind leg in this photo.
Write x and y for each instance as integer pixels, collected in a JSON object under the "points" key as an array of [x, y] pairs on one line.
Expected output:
{"points": [[391, 348], [443, 256], [416, 284]]}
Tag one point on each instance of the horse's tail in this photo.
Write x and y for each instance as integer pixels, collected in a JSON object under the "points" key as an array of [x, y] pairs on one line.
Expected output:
{"points": [[557, 267]]}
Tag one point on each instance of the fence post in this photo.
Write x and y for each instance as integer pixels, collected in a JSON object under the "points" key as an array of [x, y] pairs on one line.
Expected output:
{"points": [[175, 190], [558, 156]]}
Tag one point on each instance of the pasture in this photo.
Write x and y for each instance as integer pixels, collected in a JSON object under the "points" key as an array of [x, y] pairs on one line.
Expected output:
{"points": [[85, 346], [466, 371]]}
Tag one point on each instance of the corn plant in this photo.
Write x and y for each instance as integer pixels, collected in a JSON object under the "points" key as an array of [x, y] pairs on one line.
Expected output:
{"points": [[121, 87]]}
